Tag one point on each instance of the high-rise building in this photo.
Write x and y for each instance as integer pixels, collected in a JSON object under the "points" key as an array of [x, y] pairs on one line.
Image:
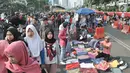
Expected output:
{"points": [[53, 2], [65, 3], [68, 3], [75, 3], [56, 1]]}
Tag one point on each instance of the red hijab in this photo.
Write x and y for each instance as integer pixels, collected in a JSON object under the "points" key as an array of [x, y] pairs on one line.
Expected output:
{"points": [[3, 45], [25, 64]]}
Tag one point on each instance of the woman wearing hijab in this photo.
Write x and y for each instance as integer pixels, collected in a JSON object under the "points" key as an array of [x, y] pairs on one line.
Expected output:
{"points": [[12, 35], [52, 51], [3, 45], [34, 42], [19, 60]]}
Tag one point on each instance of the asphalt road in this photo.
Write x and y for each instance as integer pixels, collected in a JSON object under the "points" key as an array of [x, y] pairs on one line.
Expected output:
{"points": [[120, 45]]}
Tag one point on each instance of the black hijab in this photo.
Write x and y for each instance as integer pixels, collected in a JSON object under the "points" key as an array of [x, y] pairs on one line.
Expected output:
{"points": [[15, 33], [65, 24], [46, 33]]}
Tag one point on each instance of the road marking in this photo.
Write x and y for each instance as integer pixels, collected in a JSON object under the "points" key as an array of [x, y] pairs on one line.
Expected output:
{"points": [[119, 41]]}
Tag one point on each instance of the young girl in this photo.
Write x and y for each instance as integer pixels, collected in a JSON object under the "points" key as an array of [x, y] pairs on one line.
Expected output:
{"points": [[34, 42], [3, 45], [19, 60], [52, 51]]}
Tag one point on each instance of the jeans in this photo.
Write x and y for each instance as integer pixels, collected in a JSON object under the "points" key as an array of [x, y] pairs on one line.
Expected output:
{"points": [[63, 53]]}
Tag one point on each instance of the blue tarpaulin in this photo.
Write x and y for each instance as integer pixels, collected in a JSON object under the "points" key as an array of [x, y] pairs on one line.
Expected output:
{"points": [[85, 11]]}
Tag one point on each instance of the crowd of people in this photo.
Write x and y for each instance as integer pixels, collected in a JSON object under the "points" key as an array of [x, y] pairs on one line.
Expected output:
{"points": [[30, 45]]}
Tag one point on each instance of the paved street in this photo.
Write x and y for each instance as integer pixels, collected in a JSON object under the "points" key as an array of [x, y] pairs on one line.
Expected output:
{"points": [[120, 45]]}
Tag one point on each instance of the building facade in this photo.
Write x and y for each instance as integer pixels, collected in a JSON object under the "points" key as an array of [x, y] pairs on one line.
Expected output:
{"points": [[54, 2], [67, 3], [75, 3]]}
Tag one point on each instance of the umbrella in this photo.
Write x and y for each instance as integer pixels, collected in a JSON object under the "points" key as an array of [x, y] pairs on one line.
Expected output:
{"points": [[85, 11]]}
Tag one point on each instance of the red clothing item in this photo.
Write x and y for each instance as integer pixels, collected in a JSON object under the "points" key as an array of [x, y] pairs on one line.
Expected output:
{"points": [[62, 37], [72, 66], [25, 64], [102, 66], [105, 17], [3, 45], [71, 20], [50, 52]]}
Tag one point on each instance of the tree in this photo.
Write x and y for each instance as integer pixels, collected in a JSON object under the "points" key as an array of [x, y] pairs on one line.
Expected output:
{"points": [[37, 4], [9, 6], [98, 2], [86, 3]]}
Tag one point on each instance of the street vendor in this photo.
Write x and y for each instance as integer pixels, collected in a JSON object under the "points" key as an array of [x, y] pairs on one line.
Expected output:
{"points": [[106, 45]]}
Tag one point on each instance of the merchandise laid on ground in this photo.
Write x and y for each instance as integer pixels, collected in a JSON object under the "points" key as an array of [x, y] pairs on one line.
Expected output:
{"points": [[83, 58]]}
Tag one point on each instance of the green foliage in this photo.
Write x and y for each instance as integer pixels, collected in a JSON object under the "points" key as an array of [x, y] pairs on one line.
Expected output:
{"points": [[7, 6], [112, 9], [97, 2], [37, 4], [100, 9], [128, 9]]}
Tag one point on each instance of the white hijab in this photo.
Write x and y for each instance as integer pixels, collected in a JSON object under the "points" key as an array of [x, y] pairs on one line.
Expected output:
{"points": [[35, 43]]}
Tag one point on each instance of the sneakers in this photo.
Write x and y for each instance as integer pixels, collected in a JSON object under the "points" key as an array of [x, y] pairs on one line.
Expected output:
{"points": [[62, 63]]}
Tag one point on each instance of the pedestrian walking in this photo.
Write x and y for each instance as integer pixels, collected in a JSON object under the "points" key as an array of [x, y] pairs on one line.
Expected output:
{"points": [[52, 51], [34, 42], [19, 60]]}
